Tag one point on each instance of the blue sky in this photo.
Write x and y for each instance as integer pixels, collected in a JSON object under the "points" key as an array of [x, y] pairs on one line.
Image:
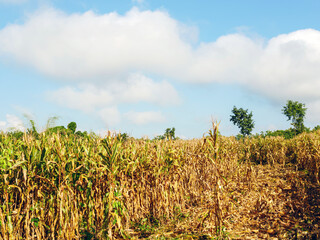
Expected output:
{"points": [[143, 66]]}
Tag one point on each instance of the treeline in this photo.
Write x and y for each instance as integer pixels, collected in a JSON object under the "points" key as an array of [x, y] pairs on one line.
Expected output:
{"points": [[32, 130], [242, 118], [293, 110], [288, 133], [170, 133]]}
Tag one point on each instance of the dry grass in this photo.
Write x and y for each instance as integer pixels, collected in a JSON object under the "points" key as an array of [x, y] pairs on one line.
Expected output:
{"points": [[58, 187]]}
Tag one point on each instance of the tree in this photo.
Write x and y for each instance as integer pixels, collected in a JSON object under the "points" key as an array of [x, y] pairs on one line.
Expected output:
{"points": [[295, 112], [316, 128], [287, 134], [57, 129], [72, 127], [170, 133], [122, 137], [243, 120]]}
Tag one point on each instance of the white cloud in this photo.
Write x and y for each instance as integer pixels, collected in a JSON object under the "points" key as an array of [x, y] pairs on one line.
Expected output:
{"points": [[137, 88], [88, 46], [289, 66], [2, 125], [12, 123], [15, 123], [110, 116], [102, 132], [86, 97], [96, 49], [141, 118], [313, 112], [102, 99]]}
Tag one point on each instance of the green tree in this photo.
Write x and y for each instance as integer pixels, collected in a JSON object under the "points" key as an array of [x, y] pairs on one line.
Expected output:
{"points": [[243, 120], [72, 127], [287, 134], [123, 137], [57, 129], [295, 112], [170, 133], [316, 128], [82, 134]]}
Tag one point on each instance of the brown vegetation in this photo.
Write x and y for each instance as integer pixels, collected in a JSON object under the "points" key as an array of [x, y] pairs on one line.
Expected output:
{"points": [[69, 187]]}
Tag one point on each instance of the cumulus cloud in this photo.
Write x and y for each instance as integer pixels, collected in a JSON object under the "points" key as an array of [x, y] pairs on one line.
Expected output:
{"points": [[86, 46], [141, 118], [110, 116], [289, 66], [137, 88], [313, 112], [2, 125], [140, 88], [12, 123], [93, 48], [85, 97], [103, 99]]}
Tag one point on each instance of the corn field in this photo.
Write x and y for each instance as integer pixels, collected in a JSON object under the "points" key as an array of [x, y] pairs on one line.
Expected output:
{"points": [[69, 187]]}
